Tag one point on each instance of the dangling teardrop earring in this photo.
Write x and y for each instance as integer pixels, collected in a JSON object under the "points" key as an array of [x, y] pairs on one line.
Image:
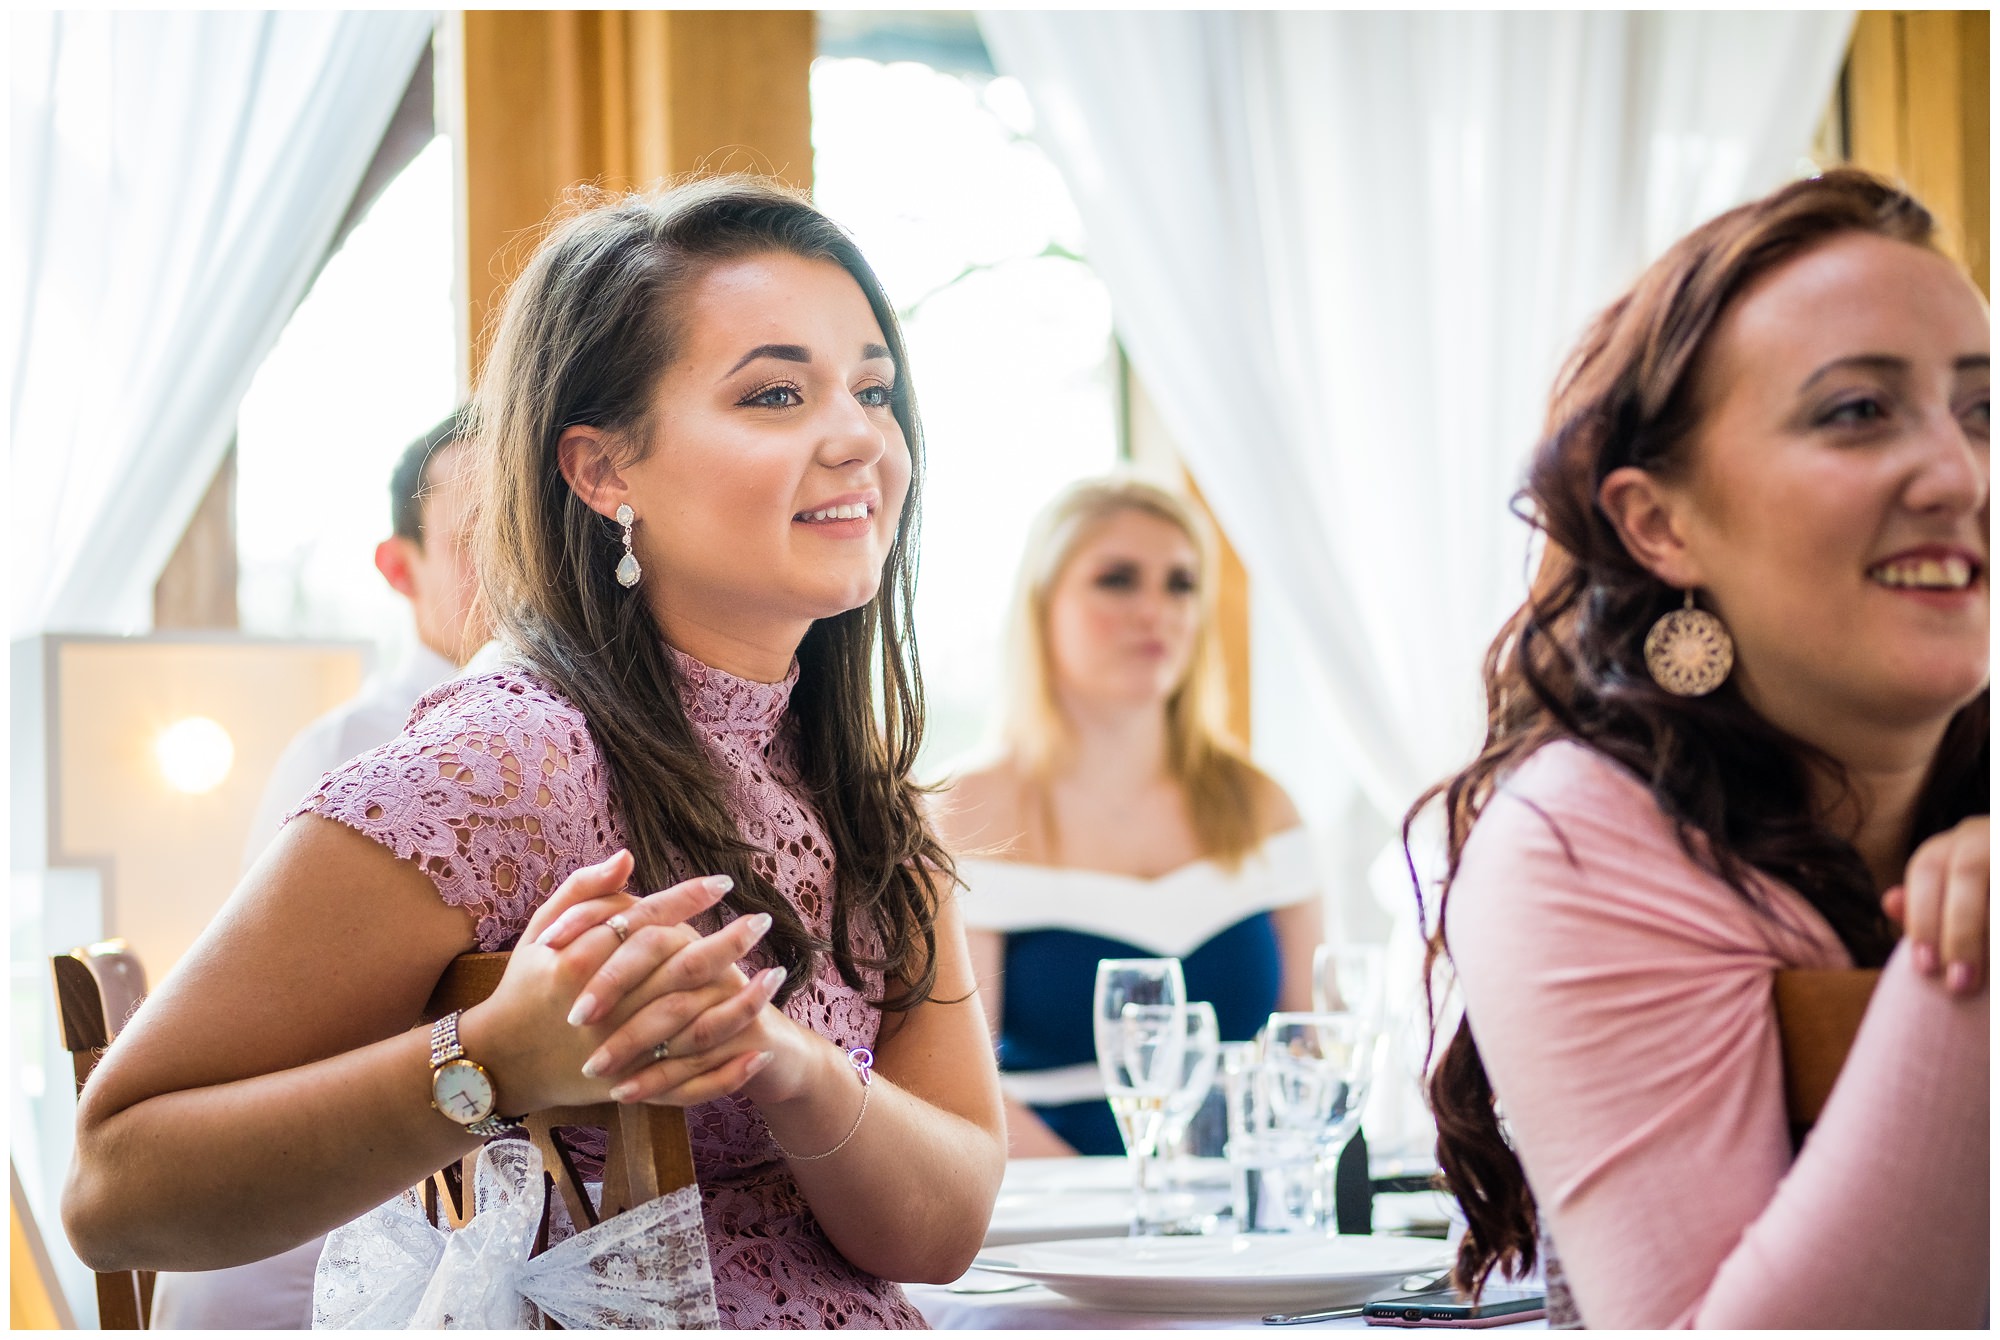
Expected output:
{"points": [[1689, 651], [628, 566]]}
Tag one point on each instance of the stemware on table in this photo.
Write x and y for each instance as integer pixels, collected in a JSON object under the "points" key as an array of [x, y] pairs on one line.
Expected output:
{"points": [[1317, 1067], [1139, 1024]]}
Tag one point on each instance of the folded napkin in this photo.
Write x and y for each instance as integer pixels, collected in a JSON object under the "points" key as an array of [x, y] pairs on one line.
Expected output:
{"points": [[393, 1269]]}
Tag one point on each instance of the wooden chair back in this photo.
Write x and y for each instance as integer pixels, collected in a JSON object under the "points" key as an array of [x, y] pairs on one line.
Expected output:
{"points": [[97, 989], [1819, 1012], [647, 1156]]}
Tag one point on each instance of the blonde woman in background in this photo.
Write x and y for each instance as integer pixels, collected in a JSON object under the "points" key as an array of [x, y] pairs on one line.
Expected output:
{"points": [[1120, 820]]}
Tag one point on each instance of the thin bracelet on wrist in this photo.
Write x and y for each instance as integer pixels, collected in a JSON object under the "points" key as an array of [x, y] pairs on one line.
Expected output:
{"points": [[863, 1062]]}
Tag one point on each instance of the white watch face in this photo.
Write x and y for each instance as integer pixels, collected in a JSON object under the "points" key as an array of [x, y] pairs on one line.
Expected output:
{"points": [[462, 1092]]}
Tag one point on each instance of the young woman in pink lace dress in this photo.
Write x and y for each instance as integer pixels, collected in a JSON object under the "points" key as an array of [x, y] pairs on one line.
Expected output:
{"points": [[702, 461]]}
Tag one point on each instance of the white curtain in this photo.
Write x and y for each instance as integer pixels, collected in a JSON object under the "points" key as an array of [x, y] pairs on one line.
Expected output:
{"points": [[1346, 253], [176, 180]]}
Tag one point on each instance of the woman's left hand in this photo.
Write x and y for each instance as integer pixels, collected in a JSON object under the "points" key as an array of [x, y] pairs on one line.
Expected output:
{"points": [[666, 987], [1942, 904]]}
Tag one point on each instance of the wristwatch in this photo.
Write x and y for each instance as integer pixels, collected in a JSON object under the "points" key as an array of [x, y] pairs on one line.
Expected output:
{"points": [[460, 1086]]}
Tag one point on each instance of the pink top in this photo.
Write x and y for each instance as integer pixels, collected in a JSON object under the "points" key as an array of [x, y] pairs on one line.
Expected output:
{"points": [[496, 790], [1621, 999]]}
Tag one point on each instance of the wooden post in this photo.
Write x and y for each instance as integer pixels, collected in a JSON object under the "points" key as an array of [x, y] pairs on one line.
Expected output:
{"points": [[1153, 449], [548, 100], [197, 588]]}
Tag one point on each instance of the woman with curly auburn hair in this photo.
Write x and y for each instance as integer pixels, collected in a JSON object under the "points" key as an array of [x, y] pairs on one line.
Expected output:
{"points": [[1739, 725]]}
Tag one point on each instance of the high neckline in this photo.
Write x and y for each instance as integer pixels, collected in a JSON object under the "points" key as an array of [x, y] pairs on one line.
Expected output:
{"points": [[719, 701]]}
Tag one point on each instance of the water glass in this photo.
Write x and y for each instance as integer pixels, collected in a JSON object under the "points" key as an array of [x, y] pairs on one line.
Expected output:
{"points": [[1139, 1023], [1272, 1169]]}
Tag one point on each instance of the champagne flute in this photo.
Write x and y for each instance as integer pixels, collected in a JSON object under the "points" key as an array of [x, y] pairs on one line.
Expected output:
{"points": [[1139, 1023]]}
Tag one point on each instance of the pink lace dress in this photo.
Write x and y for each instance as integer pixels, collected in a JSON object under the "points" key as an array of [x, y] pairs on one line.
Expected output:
{"points": [[496, 790]]}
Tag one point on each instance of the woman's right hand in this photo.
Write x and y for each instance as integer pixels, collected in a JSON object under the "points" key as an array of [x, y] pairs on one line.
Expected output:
{"points": [[531, 1033], [1942, 904]]}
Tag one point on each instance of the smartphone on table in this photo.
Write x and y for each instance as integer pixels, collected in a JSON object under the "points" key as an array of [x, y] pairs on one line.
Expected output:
{"points": [[1496, 1307]]}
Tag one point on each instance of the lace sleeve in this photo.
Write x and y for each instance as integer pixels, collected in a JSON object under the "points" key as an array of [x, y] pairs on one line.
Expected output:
{"points": [[494, 789]]}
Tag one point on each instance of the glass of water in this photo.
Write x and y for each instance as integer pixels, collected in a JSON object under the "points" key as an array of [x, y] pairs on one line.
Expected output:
{"points": [[1139, 1022]]}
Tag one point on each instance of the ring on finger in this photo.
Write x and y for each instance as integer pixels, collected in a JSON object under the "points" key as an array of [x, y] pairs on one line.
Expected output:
{"points": [[619, 926], [660, 1050]]}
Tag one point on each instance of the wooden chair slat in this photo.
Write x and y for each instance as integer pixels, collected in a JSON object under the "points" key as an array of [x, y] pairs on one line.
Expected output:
{"points": [[97, 989], [1819, 1012]]}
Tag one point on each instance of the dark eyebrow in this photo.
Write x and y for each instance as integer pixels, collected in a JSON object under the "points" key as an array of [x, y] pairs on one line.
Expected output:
{"points": [[791, 353], [798, 353], [1879, 362], [1891, 363]]}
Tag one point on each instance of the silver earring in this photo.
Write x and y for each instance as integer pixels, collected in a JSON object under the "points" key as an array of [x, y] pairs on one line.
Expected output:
{"points": [[628, 566], [1689, 651]]}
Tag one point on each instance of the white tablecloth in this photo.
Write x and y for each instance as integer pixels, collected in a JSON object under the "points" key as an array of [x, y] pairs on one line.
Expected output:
{"points": [[1038, 1308]]}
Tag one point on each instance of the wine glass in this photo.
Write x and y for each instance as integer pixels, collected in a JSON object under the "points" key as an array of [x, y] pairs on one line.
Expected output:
{"points": [[1317, 1068], [1200, 1053], [1198, 1058], [1348, 978], [1139, 1023]]}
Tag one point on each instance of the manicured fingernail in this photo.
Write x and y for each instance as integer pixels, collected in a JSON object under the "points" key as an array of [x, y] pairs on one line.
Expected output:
{"points": [[771, 979], [720, 884], [586, 1004], [624, 1093], [594, 1068], [548, 932], [759, 1061], [1926, 957], [1958, 979], [760, 923]]}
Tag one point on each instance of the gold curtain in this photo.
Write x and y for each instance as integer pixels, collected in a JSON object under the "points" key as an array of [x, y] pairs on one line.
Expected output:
{"points": [[1917, 110]]}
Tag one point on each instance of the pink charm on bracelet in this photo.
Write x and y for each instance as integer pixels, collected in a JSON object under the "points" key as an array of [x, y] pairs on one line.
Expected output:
{"points": [[863, 1062]]}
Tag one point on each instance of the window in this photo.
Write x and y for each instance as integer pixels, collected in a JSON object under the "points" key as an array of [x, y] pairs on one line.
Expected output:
{"points": [[973, 233], [365, 366]]}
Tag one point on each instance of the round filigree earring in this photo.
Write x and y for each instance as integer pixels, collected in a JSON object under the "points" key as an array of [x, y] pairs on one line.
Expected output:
{"points": [[1689, 651], [628, 566]]}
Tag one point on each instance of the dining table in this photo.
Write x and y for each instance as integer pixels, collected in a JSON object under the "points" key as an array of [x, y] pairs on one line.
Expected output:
{"points": [[1059, 1255]]}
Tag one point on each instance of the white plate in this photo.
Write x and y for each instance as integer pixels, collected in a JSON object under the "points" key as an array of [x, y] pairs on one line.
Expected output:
{"points": [[1234, 1273], [1021, 1216]]}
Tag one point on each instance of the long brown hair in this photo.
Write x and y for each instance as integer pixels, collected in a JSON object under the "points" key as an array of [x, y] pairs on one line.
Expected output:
{"points": [[1214, 774], [584, 335], [1569, 663]]}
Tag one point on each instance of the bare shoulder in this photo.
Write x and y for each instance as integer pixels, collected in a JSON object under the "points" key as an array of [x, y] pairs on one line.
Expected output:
{"points": [[1274, 810], [979, 812]]}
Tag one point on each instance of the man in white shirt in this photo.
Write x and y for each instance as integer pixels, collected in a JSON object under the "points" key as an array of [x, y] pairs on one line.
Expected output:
{"points": [[428, 561]]}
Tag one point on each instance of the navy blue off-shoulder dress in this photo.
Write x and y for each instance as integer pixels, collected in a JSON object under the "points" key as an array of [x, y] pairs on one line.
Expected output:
{"points": [[1058, 922]]}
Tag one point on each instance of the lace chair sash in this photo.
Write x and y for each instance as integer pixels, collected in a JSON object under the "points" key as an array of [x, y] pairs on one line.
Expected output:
{"points": [[393, 1269]]}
